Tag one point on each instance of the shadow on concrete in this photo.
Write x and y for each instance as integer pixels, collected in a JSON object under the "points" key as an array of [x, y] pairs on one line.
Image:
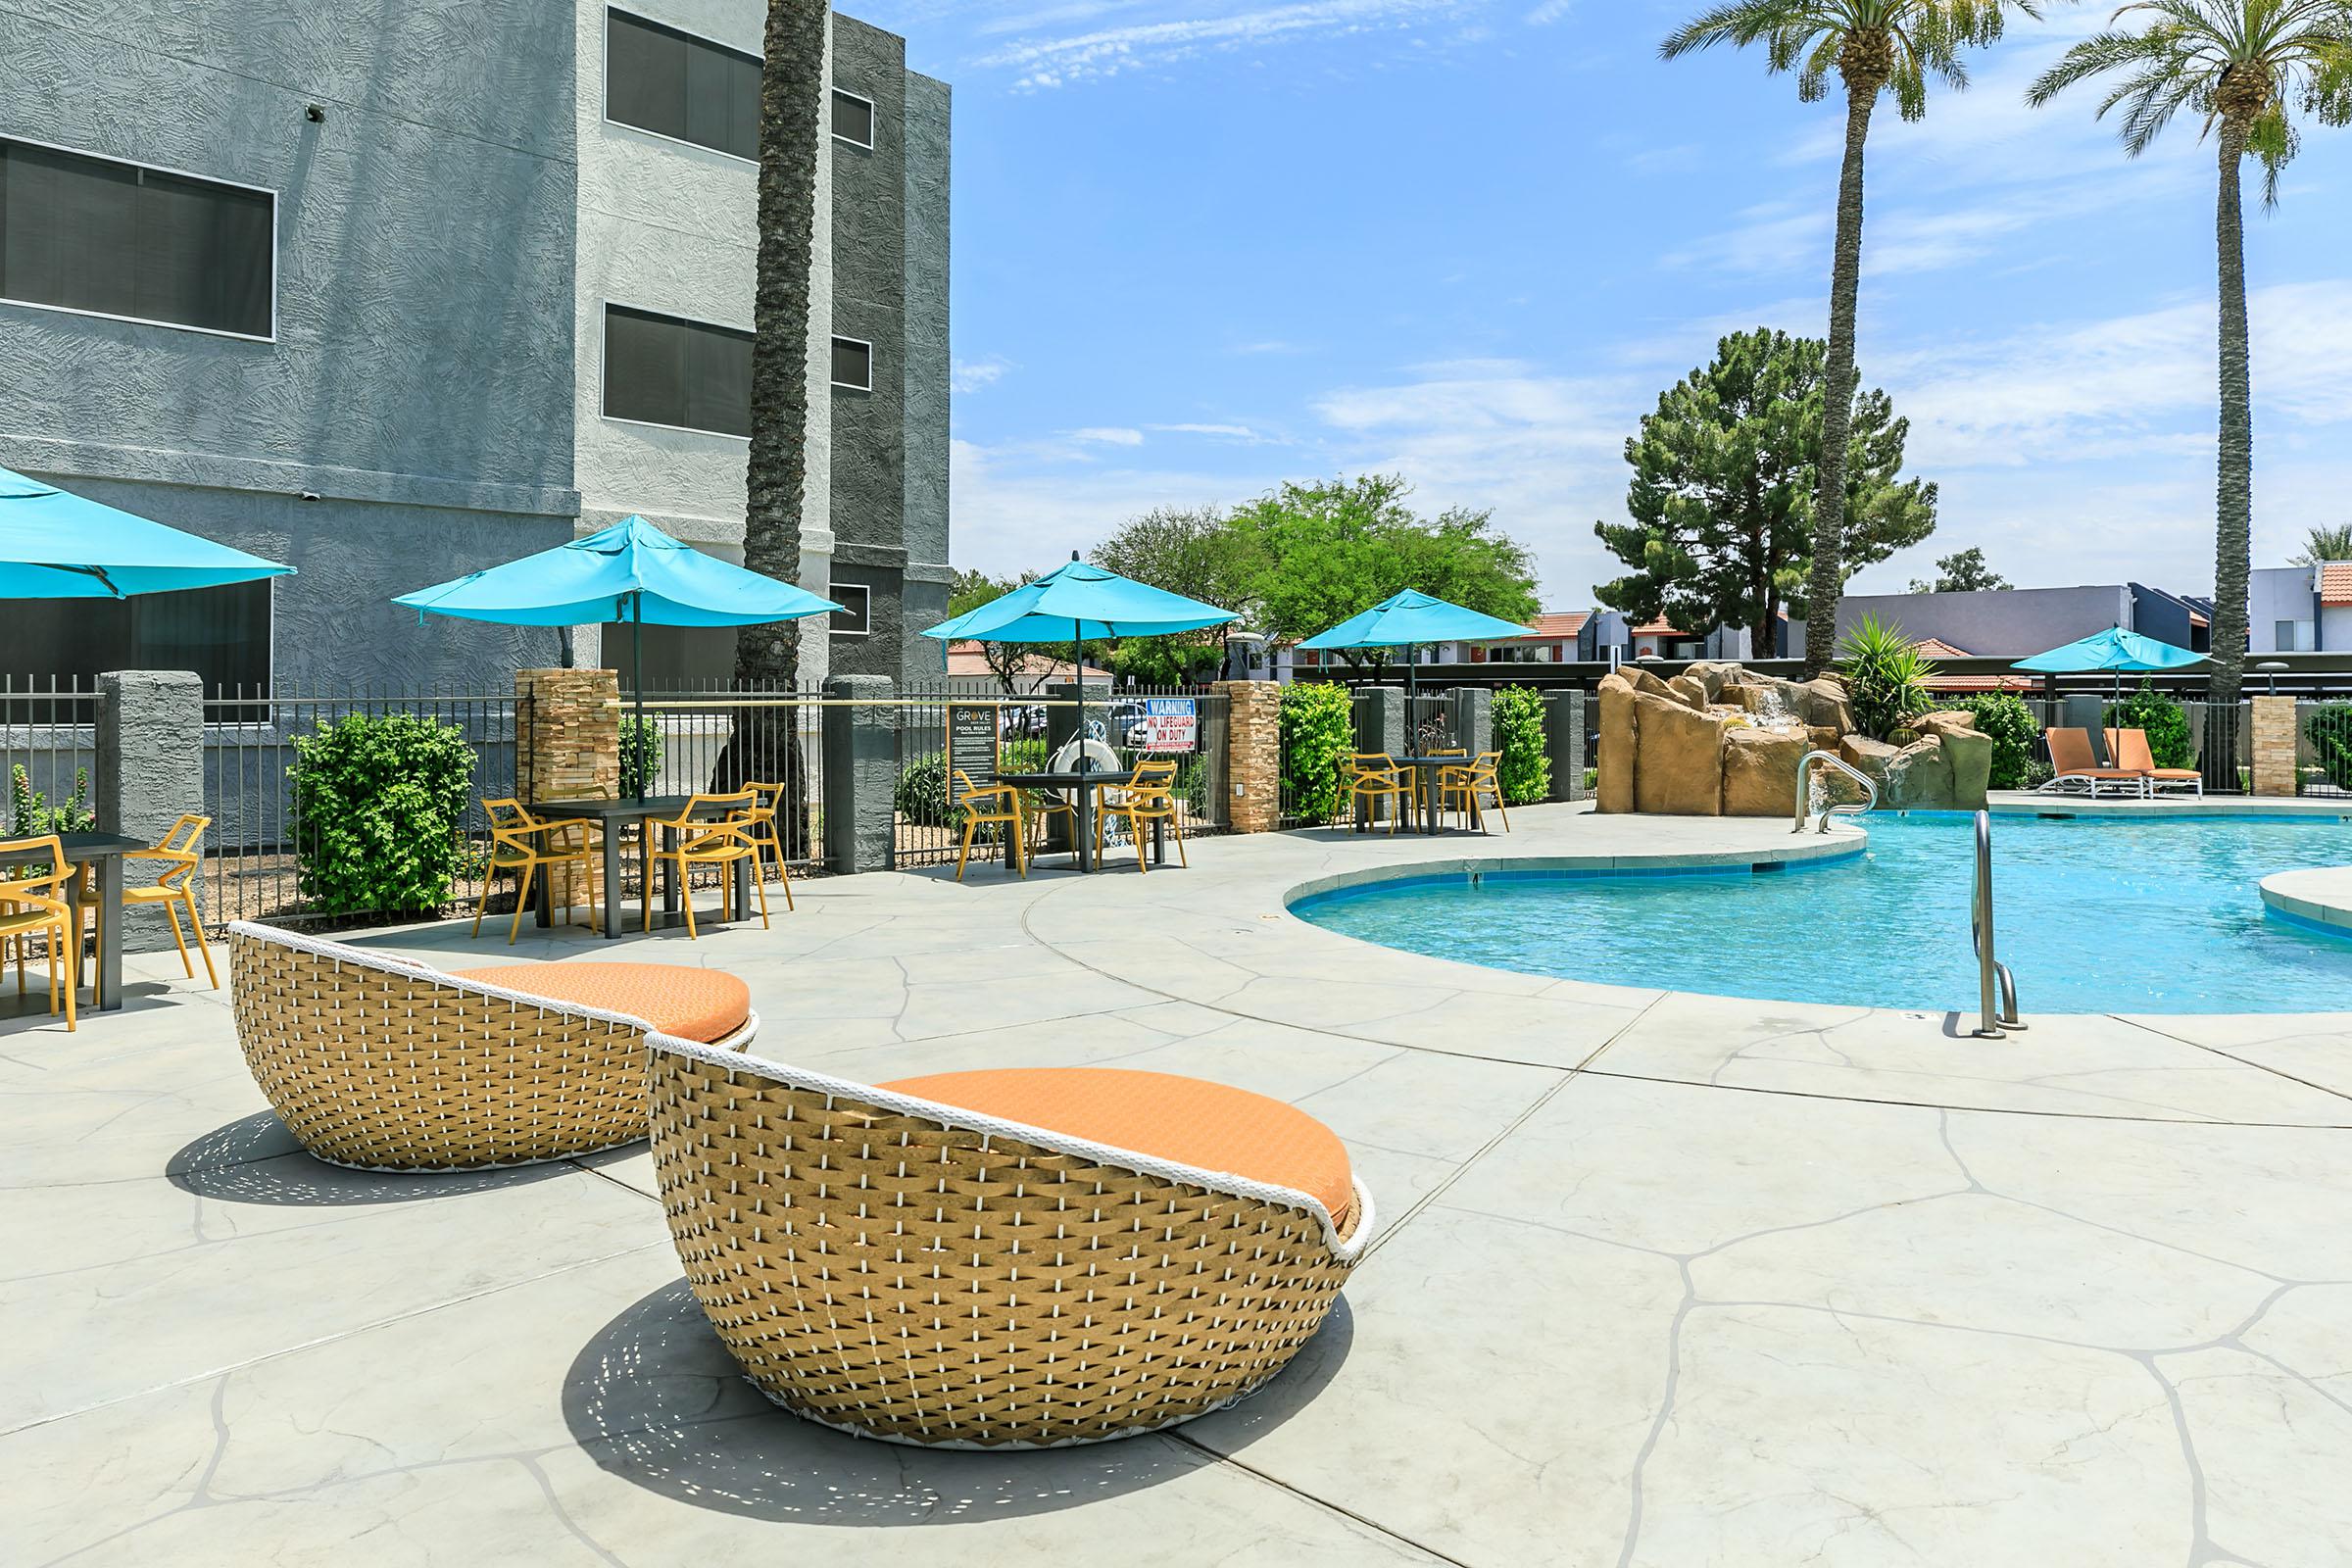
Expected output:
{"points": [[254, 1159], [655, 1400], [30, 1011]]}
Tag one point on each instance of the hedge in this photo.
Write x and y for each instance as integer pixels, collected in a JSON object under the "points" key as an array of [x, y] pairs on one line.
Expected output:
{"points": [[379, 799], [1526, 771], [1318, 735]]}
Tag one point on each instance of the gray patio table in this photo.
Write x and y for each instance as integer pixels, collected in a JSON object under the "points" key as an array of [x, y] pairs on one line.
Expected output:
{"points": [[614, 815], [105, 851], [1088, 785]]}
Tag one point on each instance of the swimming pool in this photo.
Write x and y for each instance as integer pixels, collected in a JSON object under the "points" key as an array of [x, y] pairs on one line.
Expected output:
{"points": [[2093, 915]]}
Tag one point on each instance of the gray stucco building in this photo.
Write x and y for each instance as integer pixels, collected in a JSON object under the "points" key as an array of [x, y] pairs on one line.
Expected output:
{"points": [[391, 293]]}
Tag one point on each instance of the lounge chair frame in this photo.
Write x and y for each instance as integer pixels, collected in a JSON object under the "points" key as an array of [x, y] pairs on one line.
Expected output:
{"points": [[910, 1271]]}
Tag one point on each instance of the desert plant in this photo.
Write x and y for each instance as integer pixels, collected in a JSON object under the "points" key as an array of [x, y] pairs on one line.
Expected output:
{"points": [[2013, 729], [1886, 676], [31, 815], [378, 799], [1318, 732], [920, 794], [2165, 720], [1526, 770]]}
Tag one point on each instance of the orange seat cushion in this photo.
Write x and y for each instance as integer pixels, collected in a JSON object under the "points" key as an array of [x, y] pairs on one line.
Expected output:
{"points": [[1184, 1120], [700, 1004]]}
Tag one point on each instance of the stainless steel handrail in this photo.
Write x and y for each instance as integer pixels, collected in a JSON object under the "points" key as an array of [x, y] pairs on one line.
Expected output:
{"points": [[1993, 978], [1804, 789]]}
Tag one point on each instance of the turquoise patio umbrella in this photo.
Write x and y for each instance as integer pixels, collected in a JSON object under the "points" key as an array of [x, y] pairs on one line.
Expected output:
{"points": [[1404, 619], [2113, 650], [1076, 604], [632, 573], [57, 545]]}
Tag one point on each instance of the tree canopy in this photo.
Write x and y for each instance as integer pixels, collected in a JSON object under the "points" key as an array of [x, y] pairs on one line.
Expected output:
{"points": [[1724, 490], [1961, 573], [968, 592], [1184, 550], [2322, 545]]}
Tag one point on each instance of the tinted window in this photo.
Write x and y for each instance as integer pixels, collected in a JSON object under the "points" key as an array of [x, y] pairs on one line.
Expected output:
{"points": [[659, 79], [853, 364], [222, 634], [853, 117], [666, 371], [90, 234]]}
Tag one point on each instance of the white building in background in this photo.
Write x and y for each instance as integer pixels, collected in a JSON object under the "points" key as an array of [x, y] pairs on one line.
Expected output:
{"points": [[2300, 610]]}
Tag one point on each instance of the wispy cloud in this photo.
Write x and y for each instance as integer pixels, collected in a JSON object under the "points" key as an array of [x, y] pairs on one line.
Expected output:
{"points": [[1054, 62], [970, 375], [1109, 436], [1228, 432]]}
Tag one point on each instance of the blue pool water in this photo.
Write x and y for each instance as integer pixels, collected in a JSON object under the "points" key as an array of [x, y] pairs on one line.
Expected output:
{"points": [[2093, 915]]}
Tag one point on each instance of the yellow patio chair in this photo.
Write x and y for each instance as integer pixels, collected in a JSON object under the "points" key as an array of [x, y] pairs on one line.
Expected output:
{"points": [[42, 903], [705, 838], [1481, 777], [766, 801], [520, 842], [985, 803], [1150, 797], [175, 889], [1374, 777]]}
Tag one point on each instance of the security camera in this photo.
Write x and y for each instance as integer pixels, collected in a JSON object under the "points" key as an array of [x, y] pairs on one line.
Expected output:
{"points": [[316, 114]]}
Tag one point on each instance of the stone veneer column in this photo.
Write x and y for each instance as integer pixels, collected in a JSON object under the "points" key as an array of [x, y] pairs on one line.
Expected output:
{"points": [[2275, 746], [567, 748], [861, 766], [1564, 739], [1253, 753], [150, 771]]}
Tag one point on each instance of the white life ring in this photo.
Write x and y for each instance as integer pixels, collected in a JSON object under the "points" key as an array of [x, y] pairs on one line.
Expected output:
{"points": [[1099, 758]]}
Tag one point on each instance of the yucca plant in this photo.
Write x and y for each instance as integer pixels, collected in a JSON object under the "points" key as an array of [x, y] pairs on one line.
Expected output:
{"points": [[1886, 676]]}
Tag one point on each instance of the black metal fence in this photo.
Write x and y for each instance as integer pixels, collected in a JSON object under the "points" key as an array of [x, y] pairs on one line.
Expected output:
{"points": [[2323, 747], [1033, 732], [690, 739], [48, 757]]}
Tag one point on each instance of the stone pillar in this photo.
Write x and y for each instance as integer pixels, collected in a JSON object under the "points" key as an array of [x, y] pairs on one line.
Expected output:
{"points": [[1061, 721], [1474, 707], [862, 774], [1253, 753], [2274, 745], [1564, 739], [567, 748], [1384, 723], [150, 771]]}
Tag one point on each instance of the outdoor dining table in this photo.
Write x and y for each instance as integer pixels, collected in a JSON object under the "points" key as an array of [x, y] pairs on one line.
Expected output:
{"points": [[1087, 786], [614, 815], [1425, 771], [103, 852]]}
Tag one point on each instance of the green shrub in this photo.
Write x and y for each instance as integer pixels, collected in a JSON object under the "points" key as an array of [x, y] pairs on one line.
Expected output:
{"points": [[2165, 720], [2005, 717], [1318, 733], [920, 794], [1526, 771], [379, 799], [640, 756], [2330, 728], [1886, 676], [30, 816]]}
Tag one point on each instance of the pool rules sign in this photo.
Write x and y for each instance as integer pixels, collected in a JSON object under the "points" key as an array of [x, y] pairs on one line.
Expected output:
{"points": [[972, 746], [1171, 723]]}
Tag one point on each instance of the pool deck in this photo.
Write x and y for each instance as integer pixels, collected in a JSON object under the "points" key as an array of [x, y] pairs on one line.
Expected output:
{"points": [[1662, 1279]]}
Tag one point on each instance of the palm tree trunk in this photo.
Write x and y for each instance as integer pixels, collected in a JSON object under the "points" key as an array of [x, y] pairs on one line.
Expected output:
{"points": [[2233, 519], [792, 91], [1828, 583]]}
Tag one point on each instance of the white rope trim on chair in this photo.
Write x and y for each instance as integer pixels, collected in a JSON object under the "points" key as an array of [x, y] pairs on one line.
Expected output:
{"points": [[1345, 1249], [419, 969]]}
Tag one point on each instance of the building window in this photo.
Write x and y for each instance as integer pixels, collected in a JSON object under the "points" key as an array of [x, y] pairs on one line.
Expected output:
{"points": [[852, 119], [661, 369], [854, 363], [856, 616], [2283, 636], [109, 239], [222, 634], [677, 85]]}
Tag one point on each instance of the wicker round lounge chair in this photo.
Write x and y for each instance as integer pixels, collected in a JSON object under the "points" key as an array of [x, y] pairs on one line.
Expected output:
{"points": [[906, 1269], [384, 1063]]}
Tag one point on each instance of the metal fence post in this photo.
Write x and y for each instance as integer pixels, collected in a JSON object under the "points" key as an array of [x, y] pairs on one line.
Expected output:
{"points": [[862, 764], [1564, 739], [150, 768]]}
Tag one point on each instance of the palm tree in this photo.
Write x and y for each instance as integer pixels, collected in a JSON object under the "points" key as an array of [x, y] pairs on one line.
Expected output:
{"points": [[2245, 66], [792, 91], [2322, 545], [1872, 45]]}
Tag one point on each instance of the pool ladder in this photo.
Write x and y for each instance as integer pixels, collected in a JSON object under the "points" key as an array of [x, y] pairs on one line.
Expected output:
{"points": [[1804, 789], [1993, 979]]}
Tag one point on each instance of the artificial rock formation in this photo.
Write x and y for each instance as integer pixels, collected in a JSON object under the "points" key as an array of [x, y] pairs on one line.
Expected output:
{"points": [[1719, 740]]}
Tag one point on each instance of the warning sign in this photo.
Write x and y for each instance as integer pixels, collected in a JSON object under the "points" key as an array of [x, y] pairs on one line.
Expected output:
{"points": [[1171, 723]]}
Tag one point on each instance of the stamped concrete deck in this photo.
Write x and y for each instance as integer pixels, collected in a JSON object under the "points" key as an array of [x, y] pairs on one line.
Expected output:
{"points": [[1664, 1279]]}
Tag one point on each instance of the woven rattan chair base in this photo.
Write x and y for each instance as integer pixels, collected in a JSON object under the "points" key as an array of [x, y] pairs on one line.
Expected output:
{"points": [[379, 1064], [880, 1267]]}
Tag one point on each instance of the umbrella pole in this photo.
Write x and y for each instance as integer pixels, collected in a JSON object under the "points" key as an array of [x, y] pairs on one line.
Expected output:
{"points": [[637, 681]]}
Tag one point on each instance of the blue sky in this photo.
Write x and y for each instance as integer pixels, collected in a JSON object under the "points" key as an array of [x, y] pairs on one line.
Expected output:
{"points": [[1205, 245]]}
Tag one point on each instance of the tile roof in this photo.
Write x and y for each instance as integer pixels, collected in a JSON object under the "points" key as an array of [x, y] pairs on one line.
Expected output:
{"points": [[2335, 583], [967, 658], [1937, 648], [1559, 622], [1660, 627]]}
